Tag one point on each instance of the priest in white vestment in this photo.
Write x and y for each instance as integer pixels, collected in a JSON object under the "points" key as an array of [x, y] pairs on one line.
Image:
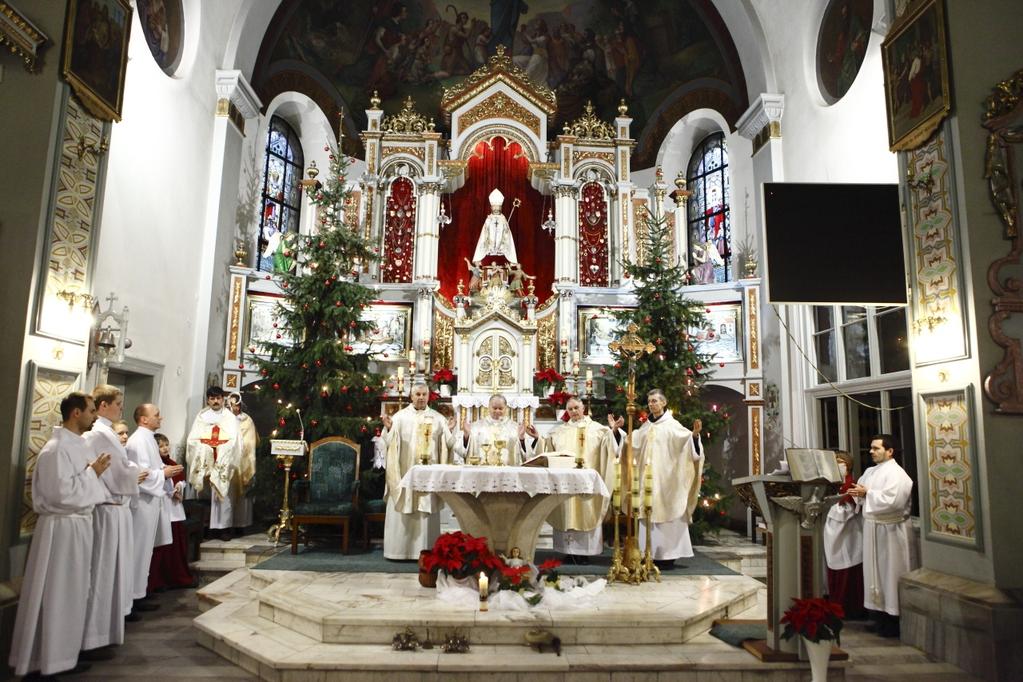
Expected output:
{"points": [[675, 457], [66, 487], [412, 521], [214, 456], [147, 512], [113, 548], [482, 437], [578, 524], [248, 440], [884, 492], [495, 236]]}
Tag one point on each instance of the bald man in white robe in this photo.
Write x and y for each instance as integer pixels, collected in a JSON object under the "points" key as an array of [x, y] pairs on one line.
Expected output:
{"points": [[66, 487]]}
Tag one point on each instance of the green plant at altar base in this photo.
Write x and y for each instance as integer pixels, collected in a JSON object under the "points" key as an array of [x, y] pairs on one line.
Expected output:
{"points": [[318, 384], [669, 320]]}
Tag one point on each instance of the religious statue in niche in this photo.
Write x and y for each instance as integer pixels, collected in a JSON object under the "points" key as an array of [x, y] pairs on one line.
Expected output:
{"points": [[495, 236]]}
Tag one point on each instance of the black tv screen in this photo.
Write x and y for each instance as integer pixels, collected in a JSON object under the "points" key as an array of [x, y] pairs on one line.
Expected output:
{"points": [[833, 243]]}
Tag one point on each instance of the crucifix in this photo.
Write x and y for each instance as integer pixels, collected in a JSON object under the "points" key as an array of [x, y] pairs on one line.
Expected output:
{"points": [[214, 441]]}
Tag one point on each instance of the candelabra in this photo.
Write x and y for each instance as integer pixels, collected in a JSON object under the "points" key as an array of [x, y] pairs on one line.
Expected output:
{"points": [[627, 565]]}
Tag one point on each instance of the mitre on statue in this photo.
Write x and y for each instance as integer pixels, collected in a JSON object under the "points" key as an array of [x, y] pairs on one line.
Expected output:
{"points": [[496, 198]]}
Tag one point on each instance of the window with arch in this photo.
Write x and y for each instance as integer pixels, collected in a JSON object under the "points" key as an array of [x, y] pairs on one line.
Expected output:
{"points": [[282, 194], [710, 233]]}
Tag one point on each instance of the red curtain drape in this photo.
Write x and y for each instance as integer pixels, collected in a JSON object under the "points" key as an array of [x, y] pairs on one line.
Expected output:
{"points": [[496, 164]]}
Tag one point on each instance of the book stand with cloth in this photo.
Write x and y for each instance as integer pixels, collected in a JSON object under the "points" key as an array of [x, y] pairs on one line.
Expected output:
{"points": [[505, 505]]}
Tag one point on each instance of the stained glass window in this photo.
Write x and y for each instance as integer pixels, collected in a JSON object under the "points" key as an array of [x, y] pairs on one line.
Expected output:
{"points": [[710, 232], [282, 196]]}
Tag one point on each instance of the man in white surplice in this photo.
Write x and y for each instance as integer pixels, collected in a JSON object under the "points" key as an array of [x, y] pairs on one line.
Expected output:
{"points": [[213, 455], [495, 236], [885, 492], [496, 426], [65, 487], [113, 546], [577, 524], [147, 512], [412, 521], [675, 457], [248, 440]]}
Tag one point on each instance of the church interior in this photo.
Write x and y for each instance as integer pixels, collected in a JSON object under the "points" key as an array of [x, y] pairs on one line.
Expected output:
{"points": [[799, 220]]}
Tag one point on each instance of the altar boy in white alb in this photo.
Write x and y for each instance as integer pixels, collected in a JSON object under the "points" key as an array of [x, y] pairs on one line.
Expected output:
{"points": [[674, 456], [412, 522], [885, 492], [213, 456], [65, 487]]}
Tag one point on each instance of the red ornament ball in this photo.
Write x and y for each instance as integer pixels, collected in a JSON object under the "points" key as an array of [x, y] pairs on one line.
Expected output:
{"points": [[344, 389], [264, 372], [324, 394], [365, 389], [277, 387], [314, 422], [280, 422], [352, 324]]}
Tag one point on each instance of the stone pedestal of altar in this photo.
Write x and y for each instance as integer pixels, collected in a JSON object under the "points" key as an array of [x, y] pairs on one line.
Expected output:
{"points": [[506, 505]]}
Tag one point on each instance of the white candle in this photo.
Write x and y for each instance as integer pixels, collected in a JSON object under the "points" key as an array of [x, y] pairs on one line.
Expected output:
{"points": [[589, 377], [412, 356], [484, 584], [401, 372], [575, 357]]}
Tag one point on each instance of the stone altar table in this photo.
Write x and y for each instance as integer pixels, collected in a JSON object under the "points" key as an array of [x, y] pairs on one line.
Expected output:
{"points": [[506, 505]]}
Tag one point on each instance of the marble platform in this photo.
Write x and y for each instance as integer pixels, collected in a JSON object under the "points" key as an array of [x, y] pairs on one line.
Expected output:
{"points": [[294, 626]]}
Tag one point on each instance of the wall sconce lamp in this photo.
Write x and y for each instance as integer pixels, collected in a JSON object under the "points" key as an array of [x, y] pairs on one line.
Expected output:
{"points": [[81, 299], [109, 337], [96, 149], [924, 183]]}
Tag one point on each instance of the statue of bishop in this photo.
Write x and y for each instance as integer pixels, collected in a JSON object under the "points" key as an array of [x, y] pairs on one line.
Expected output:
{"points": [[495, 237]]}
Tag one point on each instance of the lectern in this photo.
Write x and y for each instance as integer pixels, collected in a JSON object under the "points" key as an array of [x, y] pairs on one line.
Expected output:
{"points": [[793, 512]]}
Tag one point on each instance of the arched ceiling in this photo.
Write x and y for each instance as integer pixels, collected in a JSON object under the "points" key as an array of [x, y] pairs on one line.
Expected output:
{"points": [[664, 57]]}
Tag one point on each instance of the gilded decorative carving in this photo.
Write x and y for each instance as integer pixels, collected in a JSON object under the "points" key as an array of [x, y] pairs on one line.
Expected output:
{"points": [[443, 339], [625, 201], [387, 151], [578, 156], [1003, 119], [371, 159], [950, 472], [499, 105], [754, 389], [235, 319], [231, 380], [490, 132], [640, 214], [451, 168], [429, 188], [543, 169], [547, 344], [406, 122], [589, 127], [429, 159], [21, 37], [498, 68], [754, 419], [754, 330]]}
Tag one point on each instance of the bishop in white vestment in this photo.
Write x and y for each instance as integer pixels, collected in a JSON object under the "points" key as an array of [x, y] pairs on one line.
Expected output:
{"points": [[885, 493], [675, 460], [578, 523], [495, 236], [214, 455], [482, 437], [113, 548], [412, 521], [147, 513], [50, 621], [248, 440]]}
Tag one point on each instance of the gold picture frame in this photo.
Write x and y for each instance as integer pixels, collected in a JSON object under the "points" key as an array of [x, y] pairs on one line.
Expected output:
{"points": [[96, 54], [391, 335], [915, 63], [598, 327]]}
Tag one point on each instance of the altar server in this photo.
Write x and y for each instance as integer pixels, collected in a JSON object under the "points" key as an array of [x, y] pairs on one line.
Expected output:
{"points": [[480, 436], [412, 521], [66, 486], [578, 523], [148, 509], [248, 440], [113, 546], [674, 456], [843, 545], [885, 493], [214, 456]]}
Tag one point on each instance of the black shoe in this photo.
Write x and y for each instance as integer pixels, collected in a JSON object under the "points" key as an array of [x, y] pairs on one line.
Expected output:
{"points": [[664, 564], [132, 617], [78, 669], [140, 605], [105, 653]]}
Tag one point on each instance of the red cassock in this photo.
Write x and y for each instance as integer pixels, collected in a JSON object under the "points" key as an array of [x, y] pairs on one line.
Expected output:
{"points": [[169, 566]]}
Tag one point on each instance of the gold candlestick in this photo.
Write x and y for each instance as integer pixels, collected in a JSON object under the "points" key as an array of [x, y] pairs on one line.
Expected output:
{"points": [[425, 431], [580, 461]]}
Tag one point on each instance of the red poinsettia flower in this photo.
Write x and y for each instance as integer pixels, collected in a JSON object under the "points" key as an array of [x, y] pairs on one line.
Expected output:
{"points": [[816, 619], [559, 398], [443, 376]]}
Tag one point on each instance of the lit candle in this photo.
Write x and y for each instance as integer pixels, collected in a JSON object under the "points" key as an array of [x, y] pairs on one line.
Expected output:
{"points": [[401, 372], [412, 356], [648, 488], [575, 357], [484, 585]]}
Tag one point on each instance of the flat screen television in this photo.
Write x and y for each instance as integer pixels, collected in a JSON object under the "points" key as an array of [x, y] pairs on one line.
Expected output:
{"points": [[833, 244]]}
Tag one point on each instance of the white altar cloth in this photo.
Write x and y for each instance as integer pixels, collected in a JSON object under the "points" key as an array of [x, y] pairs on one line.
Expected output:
{"points": [[506, 505]]}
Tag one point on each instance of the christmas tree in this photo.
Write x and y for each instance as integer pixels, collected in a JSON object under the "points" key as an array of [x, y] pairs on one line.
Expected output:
{"points": [[670, 321], [320, 386]]}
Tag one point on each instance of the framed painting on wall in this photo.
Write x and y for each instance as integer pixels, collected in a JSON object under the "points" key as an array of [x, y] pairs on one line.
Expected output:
{"points": [[391, 334], [915, 64], [263, 324], [721, 333], [96, 54], [598, 328], [163, 26]]}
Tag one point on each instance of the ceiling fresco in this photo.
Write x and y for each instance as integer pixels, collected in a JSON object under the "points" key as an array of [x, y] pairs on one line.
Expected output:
{"points": [[664, 57]]}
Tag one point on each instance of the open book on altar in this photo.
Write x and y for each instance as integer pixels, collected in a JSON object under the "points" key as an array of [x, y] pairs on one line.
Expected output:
{"points": [[806, 464], [552, 460]]}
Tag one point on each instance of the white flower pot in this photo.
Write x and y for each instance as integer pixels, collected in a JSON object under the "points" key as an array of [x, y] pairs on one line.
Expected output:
{"points": [[819, 654]]}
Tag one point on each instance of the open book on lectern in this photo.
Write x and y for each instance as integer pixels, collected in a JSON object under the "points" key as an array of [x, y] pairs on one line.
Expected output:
{"points": [[807, 464]]}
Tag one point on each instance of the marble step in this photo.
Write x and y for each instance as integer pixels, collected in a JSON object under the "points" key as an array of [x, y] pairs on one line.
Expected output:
{"points": [[361, 609]]}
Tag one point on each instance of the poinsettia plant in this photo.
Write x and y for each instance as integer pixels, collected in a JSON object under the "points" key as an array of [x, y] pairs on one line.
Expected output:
{"points": [[547, 377], [548, 571], [815, 619], [459, 554], [559, 398], [443, 376]]}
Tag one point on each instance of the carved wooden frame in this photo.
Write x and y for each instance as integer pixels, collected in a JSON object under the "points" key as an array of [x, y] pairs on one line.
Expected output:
{"points": [[1003, 119]]}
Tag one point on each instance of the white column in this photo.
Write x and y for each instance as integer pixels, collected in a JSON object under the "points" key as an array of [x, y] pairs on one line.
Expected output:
{"points": [[427, 232], [236, 103], [566, 236]]}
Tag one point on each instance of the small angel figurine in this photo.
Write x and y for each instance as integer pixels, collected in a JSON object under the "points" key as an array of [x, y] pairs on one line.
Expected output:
{"points": [[515, 560]]}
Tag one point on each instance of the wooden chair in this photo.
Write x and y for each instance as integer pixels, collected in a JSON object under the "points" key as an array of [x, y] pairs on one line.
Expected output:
{"points": [[373, 511], [332, 488]]}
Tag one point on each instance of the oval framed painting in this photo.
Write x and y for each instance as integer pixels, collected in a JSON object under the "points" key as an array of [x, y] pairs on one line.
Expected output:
{"points": [[841, 45], [163, 26]]}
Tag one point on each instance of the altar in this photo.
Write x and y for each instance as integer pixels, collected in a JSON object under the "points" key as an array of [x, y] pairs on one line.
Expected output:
{"points": [[506, 505]]}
